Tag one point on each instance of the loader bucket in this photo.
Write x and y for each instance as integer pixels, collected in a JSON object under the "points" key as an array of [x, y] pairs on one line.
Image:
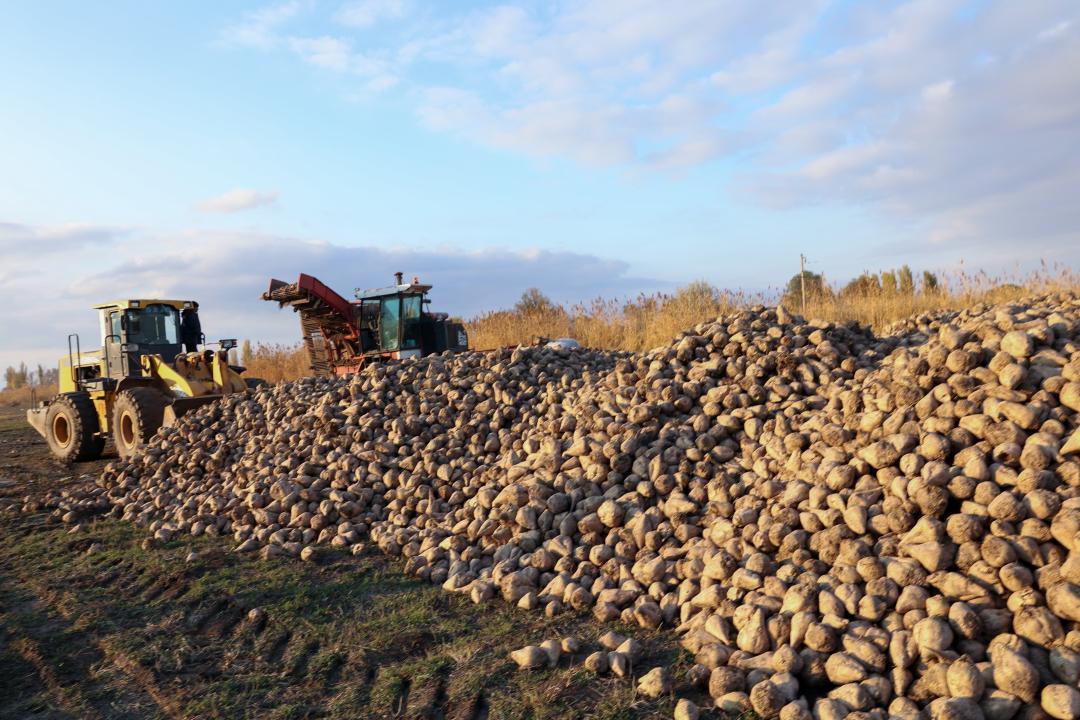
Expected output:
{"points": [[36, 418], [180, 407]]}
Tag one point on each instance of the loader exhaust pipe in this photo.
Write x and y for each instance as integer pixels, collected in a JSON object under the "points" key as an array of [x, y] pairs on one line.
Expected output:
{"points": [[398, 277]]}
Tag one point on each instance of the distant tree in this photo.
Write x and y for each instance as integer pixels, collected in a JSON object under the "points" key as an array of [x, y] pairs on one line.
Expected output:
{"points": [[697, 291], [907, 281], [245, 353], [1005, 292], [815, 288], [889, 283], [930, 285], [534, 302], [863, 286], [40, 377], [15, 378]]}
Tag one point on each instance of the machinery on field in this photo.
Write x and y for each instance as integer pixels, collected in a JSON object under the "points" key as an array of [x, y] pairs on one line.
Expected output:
{"points": [[137, 382], [380, 324]]}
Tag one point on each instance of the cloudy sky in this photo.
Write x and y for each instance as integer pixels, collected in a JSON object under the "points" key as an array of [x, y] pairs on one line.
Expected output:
{"points": [[594, 147]]}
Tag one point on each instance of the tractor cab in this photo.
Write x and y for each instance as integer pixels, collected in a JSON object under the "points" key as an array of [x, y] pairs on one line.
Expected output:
{"points": [[131, 329], [390, 318], [138, 381], [386, 323]]}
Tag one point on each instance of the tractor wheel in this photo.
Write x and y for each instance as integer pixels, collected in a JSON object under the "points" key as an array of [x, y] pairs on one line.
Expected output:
{"points": [[72, 428], [255, 383], [137, 415]]}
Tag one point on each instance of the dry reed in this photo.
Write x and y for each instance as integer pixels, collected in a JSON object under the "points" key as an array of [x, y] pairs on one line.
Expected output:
{"points": [[274, 363], [25, 396], [648, 321]]}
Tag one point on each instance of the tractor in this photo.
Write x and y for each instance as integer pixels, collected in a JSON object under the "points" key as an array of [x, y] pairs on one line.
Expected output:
{"points": [[137, 382], [387, 323]]}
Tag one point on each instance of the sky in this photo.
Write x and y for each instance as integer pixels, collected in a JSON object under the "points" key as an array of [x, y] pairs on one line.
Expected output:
{"points": [[588, 148]]}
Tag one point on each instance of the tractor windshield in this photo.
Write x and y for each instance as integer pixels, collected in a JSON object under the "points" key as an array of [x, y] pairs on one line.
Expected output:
{"points": [[154, 324], [410, 321]]}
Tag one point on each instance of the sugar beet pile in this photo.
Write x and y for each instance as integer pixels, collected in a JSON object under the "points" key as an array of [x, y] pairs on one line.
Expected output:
{"points": [[834, 522]]}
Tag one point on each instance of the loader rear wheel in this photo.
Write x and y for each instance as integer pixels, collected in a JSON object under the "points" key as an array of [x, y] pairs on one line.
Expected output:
{"points": [[137, 415], [71, 428]]}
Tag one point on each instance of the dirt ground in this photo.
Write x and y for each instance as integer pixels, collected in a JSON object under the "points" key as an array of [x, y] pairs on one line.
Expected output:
{"points": [[123, 632]]}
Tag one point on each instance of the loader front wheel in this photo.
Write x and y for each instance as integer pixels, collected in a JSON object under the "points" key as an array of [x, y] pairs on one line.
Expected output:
{"points": [[71, 428], [137, 415]]}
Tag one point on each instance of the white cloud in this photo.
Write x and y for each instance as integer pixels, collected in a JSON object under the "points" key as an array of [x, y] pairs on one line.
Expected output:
{"points": [[237, 200], [337, 54], [325, 52], [942, 113], [1057, 30], [259, 29], [23, 248], [19, 240], [938, 91], [227, 271], [366, 13]]}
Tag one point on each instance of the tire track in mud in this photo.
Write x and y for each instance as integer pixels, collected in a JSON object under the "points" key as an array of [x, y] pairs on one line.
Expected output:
{"points": [[63, 693], [429, 700], [317, 673], [68, 659], [471, 708], [141, 688]]}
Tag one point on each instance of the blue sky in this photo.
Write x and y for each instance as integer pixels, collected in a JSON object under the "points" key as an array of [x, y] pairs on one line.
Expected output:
{"points": [[599, 147]]}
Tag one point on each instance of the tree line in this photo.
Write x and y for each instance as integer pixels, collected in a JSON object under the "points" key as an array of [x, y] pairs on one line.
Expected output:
{"points": [[888, 283], [22, 376]]}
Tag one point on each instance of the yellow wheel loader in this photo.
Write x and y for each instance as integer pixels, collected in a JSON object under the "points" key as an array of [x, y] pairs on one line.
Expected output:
{"points": [[137, 382]]}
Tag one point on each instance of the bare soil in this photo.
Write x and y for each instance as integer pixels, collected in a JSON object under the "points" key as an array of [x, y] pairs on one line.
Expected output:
{"points": [[123, 632]]}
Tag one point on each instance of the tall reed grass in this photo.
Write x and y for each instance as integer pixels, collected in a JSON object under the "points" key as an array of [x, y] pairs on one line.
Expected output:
{"points": [[276, 362], [25, 397], [648, 321]]}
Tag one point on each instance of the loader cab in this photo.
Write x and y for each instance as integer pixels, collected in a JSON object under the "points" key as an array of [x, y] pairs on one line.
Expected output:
{"points": [[133, 328], [390, 319]]}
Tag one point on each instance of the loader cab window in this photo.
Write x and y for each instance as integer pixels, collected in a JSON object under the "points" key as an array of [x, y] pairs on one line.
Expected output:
{"points": [[410, 321], [390, 323], [154, 324], [369, 325], [115, 329]]}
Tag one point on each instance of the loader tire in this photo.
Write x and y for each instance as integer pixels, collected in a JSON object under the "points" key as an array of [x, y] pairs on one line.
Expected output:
{"points": [[137, 415], [254, 383], [71, 428]]}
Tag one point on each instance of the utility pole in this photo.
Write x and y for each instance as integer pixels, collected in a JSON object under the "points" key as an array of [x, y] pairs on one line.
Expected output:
{"points": [[802, 280]]}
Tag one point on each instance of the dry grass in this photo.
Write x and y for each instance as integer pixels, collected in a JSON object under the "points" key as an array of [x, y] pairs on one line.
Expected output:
{"points": [[648, 321], [25, 396], [644, 322], [957, 291], [652, 320], [274, 363]]}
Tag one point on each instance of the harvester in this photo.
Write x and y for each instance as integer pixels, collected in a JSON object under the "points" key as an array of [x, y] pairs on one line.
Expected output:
{"points": [[388, 323], [137, 382]]}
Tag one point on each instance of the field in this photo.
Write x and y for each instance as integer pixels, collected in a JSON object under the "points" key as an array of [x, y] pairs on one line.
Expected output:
{"points": [[647, 321], [793, 499], [128, 632]]}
